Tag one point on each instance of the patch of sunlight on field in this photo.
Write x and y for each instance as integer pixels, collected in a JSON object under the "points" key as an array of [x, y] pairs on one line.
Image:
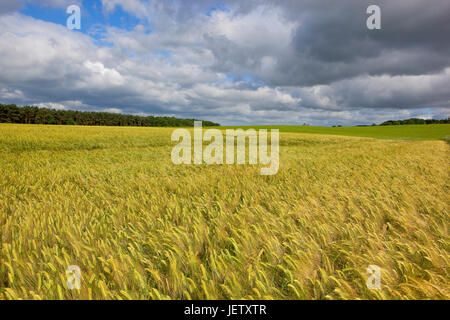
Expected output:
{"points": [[110, 201]]}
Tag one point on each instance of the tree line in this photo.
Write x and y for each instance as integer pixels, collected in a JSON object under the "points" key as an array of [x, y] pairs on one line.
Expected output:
{"points": [[34, 115], [407, 121], [414, 121]]}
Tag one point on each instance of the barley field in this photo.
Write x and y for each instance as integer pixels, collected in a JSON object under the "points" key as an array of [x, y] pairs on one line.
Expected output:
{"points": [[110, 201]]}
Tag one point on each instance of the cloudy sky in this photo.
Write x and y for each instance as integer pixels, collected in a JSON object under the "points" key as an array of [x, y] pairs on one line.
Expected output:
{"points": [[233, 62]]}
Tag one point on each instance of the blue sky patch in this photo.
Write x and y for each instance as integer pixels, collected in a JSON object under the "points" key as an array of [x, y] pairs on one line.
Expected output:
{"points": [[92, 16]]}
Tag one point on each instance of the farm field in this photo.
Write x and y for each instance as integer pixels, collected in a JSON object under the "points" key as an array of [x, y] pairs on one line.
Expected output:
{"points": [[404, 132], [109, 200]]}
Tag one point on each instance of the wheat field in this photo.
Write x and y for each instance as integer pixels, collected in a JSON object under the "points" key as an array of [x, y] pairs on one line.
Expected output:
{"points": [[110, 201]]}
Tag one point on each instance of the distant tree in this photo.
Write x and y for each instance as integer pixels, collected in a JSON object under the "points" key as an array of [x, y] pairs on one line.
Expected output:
{"points": [[415, 121], [50, 119]]}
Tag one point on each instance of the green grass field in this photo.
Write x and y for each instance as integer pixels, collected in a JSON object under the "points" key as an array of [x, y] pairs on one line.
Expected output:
{"points": [[410, 132], [109, 200]]}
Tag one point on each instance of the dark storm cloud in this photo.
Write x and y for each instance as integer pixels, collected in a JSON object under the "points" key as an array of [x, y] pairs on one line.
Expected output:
{"points": [[331, 41], [8, 6]]}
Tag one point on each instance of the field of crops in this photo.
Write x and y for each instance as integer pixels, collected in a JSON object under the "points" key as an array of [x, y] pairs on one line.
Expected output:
{"points": [[404, 132], [110, 201]]}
